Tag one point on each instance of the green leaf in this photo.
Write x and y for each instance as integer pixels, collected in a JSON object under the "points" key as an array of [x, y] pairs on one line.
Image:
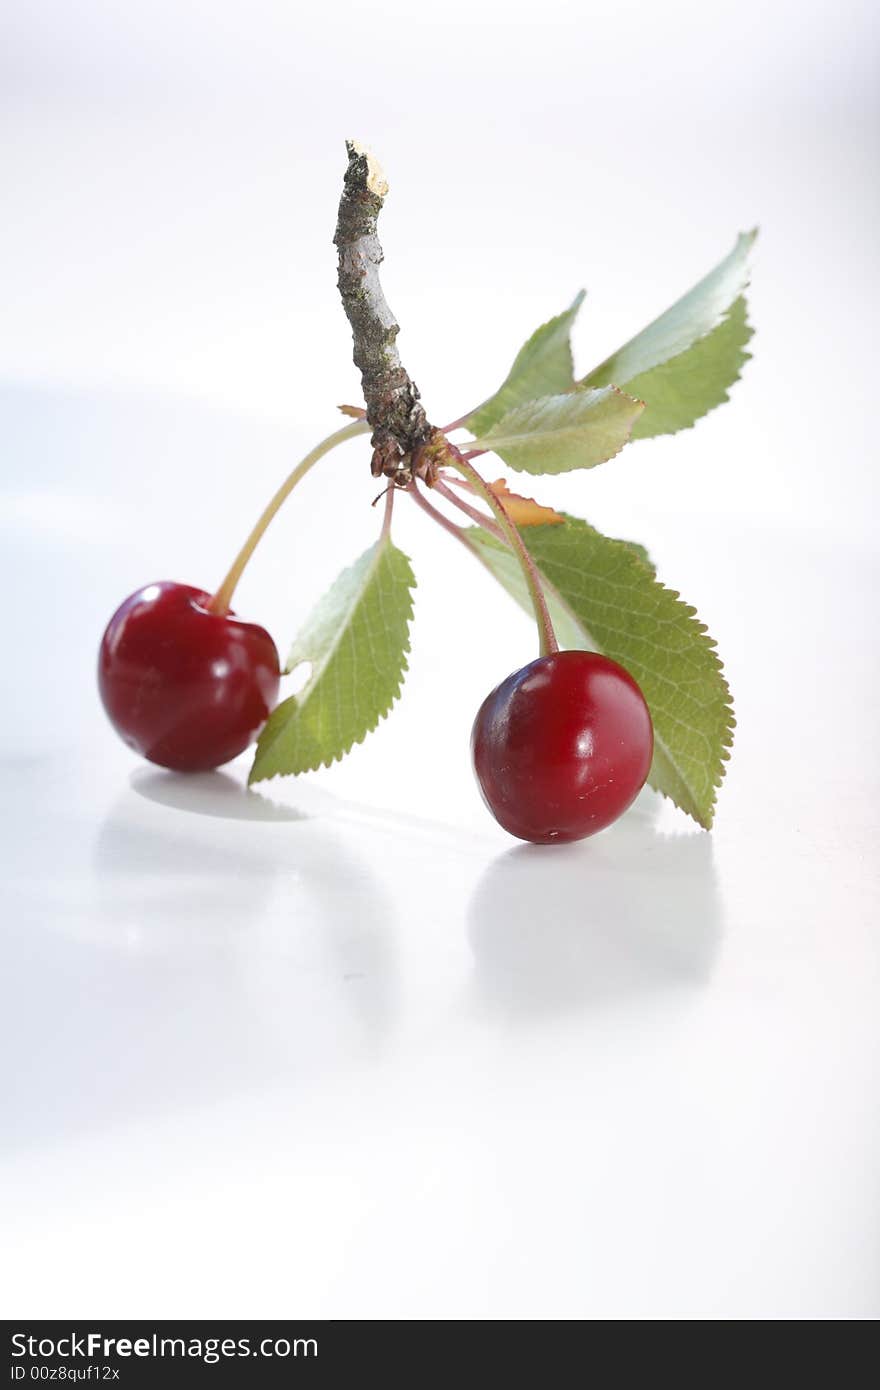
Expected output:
{"points": [[558, 433], [603, 597], [681, 391], [356, 640], [683, 364], [641, 553], [503, 564], [542, 367]]}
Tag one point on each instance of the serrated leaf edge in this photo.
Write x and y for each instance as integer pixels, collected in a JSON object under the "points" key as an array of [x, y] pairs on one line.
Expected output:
{"points": [[670, 361], [313, 766], [710, 644], [571, 314], [489, 444], [729, 724], [746, 240]]}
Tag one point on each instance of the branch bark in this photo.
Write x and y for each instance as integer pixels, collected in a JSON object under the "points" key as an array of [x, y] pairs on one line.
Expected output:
{"points": [[394, 410]]}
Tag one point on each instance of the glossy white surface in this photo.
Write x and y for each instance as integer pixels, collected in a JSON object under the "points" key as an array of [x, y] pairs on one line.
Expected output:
{"points": [[341, 1048]]}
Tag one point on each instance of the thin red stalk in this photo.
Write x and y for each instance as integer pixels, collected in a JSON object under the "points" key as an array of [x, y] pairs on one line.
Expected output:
{"points": [[459, 532], [548, 642], [473, 512], [459, 423], [389, 508], [435, 514]]}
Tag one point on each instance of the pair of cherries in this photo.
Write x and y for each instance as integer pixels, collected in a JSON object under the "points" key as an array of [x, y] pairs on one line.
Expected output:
{"points": [[561, 748]]}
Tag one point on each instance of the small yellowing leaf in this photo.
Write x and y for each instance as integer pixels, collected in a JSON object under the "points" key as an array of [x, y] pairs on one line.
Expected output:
{"points": [[524, 511]]}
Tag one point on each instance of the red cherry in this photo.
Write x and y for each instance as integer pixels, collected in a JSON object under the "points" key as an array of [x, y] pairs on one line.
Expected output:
{"points": [[185, 687], [562, 747]]}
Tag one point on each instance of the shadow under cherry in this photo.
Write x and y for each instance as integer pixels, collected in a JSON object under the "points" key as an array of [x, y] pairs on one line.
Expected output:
{"points": [[210, 794]]}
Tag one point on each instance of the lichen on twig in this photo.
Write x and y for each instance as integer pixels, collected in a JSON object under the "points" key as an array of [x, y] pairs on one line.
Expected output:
{"points": [[394, 409]]}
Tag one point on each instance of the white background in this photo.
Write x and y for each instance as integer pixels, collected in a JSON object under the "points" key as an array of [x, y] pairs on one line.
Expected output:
{"points": [[343, 1049]]}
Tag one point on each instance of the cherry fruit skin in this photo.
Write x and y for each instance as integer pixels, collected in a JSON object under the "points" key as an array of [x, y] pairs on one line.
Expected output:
{"points": [[184, 687], [562, 747]]}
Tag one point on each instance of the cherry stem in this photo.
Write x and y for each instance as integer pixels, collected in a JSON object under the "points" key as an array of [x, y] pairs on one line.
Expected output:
{"points": [[435, 514], [459, 532], [548, 640], [223, 597], [459, 423], [389, 508], [473, 512]]}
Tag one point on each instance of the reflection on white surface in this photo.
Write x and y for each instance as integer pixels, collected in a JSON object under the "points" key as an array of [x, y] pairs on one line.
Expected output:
{"points": [[357, 1044], [180, 967], [625, 913]]}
